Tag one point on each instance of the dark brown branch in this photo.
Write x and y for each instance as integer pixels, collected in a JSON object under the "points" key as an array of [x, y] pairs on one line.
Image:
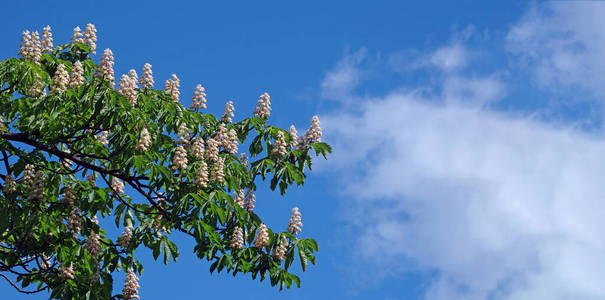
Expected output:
{"points": [[20, 290]]}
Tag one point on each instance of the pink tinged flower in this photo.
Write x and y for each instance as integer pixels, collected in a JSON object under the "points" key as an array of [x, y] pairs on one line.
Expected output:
{"points": [[60, 80], [295, 223], [36, 187], [231, 142], [172, 87], [180, 161], [218, 171], [74, 220], [117, 185], [124, 239], [263, 108], [199, 98], [77, 37], [228, 112], [144, 141], [279, 146], [76, 78], [280, 252], [105, 67], [237, 239], [93, 244], [262, 237], [212, 150], [183, 134], [90, 37], [37, 89], [10, 185], [147, 77], [47, 39], [249, 201], [313, 134], [69, 196], [201, 176], [102, 137], [67, 272], [197, 148], [131, 286], [239, 198], [243, 158], [128, 86]]}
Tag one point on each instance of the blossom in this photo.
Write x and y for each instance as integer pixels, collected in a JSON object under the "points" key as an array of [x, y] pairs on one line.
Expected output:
{"points": [[201, 176], [31, 47], [199, 97], [90, 37], [180, 158], [117, 185], [262, 237], [183, 134], [131, 286], [239, 198], [279, 146], [68, 195], [128, 85], [47, 39], [295, 223], [197, 148], [105, 67], [280, 252], [37, 89], [77, 37], [67, 272], [124, 239], [228, 113], [313, 134], [172, 87], [144, 140], [60, 80], [237, 240], [263, 108], [102, 137], [147, 77], [9, 184], [221, 135], [249, 201], [243, 158], [93, 244], [36, 189], [212, 150], [76, 78], [231, 142], [218, 171], [29, 174], [296, 140], [73, 221]]}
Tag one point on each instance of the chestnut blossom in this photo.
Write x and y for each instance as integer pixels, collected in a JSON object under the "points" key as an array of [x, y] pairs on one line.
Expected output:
{"points": [[67, 272], [146, 80], [199, 98], [31, 47], [183, 134], [243, 158], [77, 37], [295, 223], [249, 201], [279, 146], [297, 141], [37, 89], [172, 87], [218, 171], [74, 221], [197, 148], [239, 198], [212, 150], [47, 39], [180, 158], [124, 239], [313, 134], [90, 37], [262, 237], [117, 185], [68, 195], [105, 67], [231, 142], [9, 184], [263, 108], [93, 244], [201, 176], [76, 78], [228, 112], [36, 189], [29, 174], [280, 252], [128, 86], [221, 135], [144, 141], [237, 240], [60, 80], [131, 286], [102, 137]]}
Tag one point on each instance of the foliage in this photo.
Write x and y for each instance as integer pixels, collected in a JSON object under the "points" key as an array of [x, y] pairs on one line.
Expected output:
{"points": [[58, 135]]}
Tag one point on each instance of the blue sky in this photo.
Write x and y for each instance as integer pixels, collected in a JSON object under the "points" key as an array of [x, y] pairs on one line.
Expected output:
{"points": [[468, 136]]}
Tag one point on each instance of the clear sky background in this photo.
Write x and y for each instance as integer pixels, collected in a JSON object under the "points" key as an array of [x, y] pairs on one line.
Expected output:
{"points": [[469, 155]]}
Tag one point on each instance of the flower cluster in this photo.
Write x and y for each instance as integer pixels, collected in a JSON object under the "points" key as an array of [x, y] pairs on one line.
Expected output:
{"points": [[28, 174], [295, 223], [105, 67], [218, 171], [201, 176], [77, 37], [76, 78], [199, 98], [297, 141], [124, 239], [249, 201], [36, 189], [180, 158], [9, 184], [237, 240], [243, 158], [183, 134], [228, 112], [128, 86], [68, 195], [60, 80], [73, 221], [144, 141], [37, 89], [67, 272], [279, 146], [231, 142], [280, 252], [262, 237], [102, 137], [146, 77], [93, 244], [212, 150], [90, 37], [313, 134], [197, 148], [239, 198], [31, 47], [131, 286], [47, 39], [263, 108], [117, 185], [172, 87]]}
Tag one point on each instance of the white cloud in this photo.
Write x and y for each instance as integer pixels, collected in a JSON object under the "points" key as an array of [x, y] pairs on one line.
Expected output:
{"points": [[339, 82], [563, 44]]}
